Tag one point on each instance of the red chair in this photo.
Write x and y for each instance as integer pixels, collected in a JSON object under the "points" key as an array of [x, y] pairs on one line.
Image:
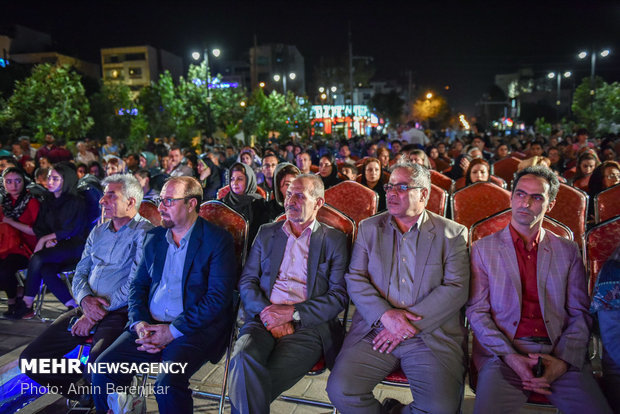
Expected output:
{"points": [[314, 168], [437, 200], [460, 183], [518, 155], [353, 199], [570, 173], [607, 204], [442, 181], [571, 208], [599, 243], [221, 193], [498, 221], [478, 201], [149, 211], [505, 169]]}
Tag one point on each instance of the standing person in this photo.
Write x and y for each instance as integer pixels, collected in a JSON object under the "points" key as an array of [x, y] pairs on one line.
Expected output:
{"points": [[180, 299], [176, 168], [266, 175], [61, 228], [109, 148], [292, 289], [372, 178], [409, 279], [19, 213], [46, 148], [528, 307]]}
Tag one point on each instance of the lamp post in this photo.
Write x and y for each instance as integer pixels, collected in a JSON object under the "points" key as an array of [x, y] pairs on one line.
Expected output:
{"points": [[277, 78], [205, 55], [582, 55], [559, 75]]}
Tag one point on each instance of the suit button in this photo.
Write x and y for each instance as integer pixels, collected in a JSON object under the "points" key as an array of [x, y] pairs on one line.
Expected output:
{"points": [[514, 324]]}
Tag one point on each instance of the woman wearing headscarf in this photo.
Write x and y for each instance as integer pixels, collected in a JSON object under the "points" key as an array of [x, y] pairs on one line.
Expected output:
{"points": [[209, 177], [18, 215], [61, 228], [372, 178], [243, 198], [148, 161], [284, 174], [328, 171]]}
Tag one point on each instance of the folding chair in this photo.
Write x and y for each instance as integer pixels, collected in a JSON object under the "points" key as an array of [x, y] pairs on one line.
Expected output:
{"points": [[598, 244], [607, 204], [221, 193], [571, 208], [438, 200], [478, 201], [506, 168], [442, 181], [353, 199]]}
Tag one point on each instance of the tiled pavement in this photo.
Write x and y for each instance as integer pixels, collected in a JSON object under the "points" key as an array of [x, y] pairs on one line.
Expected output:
{"points": [[14, 335]]}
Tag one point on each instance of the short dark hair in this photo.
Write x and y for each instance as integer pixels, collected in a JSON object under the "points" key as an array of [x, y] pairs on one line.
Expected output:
{"points": [[543, 172]]}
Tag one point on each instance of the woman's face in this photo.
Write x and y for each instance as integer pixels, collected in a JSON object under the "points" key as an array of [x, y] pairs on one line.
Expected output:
{"points": [[14, 184], [479, 172], [587, 166], [611, 177], [44, 163], [142, 162], [372, 172], [246, 159], [81, 172], [94, 170], [238, 181], [325, 167], [384, 157], [112, 169], [416, 159], [54, 182], [502, 151], [434, 153]]}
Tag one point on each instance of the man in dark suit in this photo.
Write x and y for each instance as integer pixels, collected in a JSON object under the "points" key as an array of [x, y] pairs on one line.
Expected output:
{"points": [[180, 300], [292, 290]]}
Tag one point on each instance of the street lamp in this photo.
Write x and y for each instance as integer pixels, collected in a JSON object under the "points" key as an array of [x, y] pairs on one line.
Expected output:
{"points": [[277, 78], [205, 55], [582, 55], [429, 95], [559, 75]]}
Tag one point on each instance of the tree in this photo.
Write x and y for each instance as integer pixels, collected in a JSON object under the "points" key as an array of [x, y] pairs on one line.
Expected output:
{"points": [[600, 113], [388, 105], [112, 110], [433, 109], [51, 99]]}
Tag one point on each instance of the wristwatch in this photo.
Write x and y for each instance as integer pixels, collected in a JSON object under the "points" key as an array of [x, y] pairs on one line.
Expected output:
{"points": [[296, 316]]}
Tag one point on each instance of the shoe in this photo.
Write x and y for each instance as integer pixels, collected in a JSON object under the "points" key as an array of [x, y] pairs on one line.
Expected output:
{"points": [[391, 406], [11, 311], [22, 311]]}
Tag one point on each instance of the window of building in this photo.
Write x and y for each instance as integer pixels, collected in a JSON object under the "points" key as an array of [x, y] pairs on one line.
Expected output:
{"points": [[113, 73], [135, 73], [111, 59], [135, 56]]}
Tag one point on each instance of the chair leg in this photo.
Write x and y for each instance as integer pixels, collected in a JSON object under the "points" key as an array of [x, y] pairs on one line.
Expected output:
{"points": [[38, 303], [226, 369]]}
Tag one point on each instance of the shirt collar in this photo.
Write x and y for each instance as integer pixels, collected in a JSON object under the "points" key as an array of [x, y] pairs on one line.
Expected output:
{"points": [[415, 226], [183, 242], [286, 228], [517, 240], [132, 224]]}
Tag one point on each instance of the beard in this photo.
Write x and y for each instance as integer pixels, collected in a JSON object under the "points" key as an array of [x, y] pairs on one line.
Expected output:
{"points": [[167, 223]]}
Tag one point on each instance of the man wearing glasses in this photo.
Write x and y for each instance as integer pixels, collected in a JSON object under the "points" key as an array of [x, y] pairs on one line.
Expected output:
{"points": [[180, 300], [409, 279]]}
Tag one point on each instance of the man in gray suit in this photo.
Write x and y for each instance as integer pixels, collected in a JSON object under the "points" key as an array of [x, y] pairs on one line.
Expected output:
{"points": [[292, 290], [409, 279]]}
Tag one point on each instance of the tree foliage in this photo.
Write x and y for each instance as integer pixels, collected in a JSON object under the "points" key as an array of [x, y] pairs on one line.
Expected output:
{"points": [[601, 112], [388, 105], [424, 109], [111, 111], [51, 99]]}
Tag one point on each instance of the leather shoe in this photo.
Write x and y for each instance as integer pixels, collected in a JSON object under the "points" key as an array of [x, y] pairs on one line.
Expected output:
{"points": [[391, 406]]}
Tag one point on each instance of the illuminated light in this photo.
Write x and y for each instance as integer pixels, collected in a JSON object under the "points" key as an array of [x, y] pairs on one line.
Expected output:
{"points": [[464, 121], [359, 85], [262, 84], [333, 89], [195, 55], [216, 52], [582, 55], [132, 111], [321, 89], [334, 96], [605, 53], [115, 73], [292, 75], [223, 85], [323, 96], [568, 74], [551, 75], [4, 63], [429, 95], [447, 87], [242, 103], [276, 78]]}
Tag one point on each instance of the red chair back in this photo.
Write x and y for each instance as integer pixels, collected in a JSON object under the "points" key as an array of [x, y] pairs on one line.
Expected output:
{"points": [[334, 218], [353, 199], [442, 181], [570, 173], [599, 243], [505, 169], [150, 212], [607, 204], [221, 215], [438, 200], [460, 183], [221, 193], [500, 220], [571, 208], [478, 201]]}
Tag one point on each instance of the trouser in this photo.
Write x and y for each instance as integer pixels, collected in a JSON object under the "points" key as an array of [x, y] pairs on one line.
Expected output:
{"points": [[8, 267], [56, 341], [263, 367], [611, 381], [499, 388], [359, 368], [47, 263]]}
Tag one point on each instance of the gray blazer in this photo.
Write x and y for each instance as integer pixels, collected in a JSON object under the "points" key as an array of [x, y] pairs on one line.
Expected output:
{"points": [[440, 287], [327, 294]]}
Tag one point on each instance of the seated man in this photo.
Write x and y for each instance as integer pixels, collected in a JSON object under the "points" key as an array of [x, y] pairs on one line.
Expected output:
{"points": [[409, 279], [180, 300], [528, 309], [292, 290], [265, 177], [100, 285]]}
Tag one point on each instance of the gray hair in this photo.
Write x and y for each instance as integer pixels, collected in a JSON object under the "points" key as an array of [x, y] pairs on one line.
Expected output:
{"points": [[131, 187], [418, 174], [318, 189]]}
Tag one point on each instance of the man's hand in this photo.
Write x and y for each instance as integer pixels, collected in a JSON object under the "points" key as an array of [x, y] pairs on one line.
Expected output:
{"points": [[521, 365], [282, 330], [94, 307], [276, 315], [386, 342], [83, 326], [554, 369], [398, 322], [153, 338]]}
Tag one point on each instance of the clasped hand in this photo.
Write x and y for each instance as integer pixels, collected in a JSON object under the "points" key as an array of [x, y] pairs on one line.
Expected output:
{"points": [[94, 307], [153, 338], [522, 365], [278, 319], [397, 328]]}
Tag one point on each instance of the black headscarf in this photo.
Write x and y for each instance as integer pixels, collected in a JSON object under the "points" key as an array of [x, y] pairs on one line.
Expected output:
{"points": [[241, 203], [10, 210], [332, 179]]}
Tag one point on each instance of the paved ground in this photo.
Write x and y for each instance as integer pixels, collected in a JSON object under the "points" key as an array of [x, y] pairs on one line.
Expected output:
{"points": [[15, 335]]}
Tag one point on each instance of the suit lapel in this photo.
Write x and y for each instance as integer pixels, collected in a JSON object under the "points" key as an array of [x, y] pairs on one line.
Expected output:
{"points": [[314, 253], [426, 235], [511, 266], [386, 244], [159, 260], [543, 261], [277, 254], [195, 240]]}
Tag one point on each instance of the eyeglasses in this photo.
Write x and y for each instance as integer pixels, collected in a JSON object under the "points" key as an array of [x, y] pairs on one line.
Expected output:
{"points": [[399, 188], [613, 177], [168, 202]]}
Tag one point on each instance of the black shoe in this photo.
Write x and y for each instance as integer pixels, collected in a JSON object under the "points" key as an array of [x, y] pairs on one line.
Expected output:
{"points": [[10, 311], [22, 311], [391, 406]]}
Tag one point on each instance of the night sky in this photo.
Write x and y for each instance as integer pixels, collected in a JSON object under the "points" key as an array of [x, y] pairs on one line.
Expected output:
{"points": [[460, 44]]}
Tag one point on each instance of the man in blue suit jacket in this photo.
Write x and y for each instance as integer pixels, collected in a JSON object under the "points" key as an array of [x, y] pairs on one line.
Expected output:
{"points": [[180, 300]]}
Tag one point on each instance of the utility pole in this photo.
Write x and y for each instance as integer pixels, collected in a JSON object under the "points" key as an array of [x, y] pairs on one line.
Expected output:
{"points": [[351, 70]]}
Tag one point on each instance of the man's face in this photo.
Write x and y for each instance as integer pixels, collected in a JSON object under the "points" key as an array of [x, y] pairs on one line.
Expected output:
{"points": [[344, 151], [299, 204], [238, 181], [285, 183], [372, 150], [143, 181], [554, 156], [396, 147], [132, 162], [304, 162], [175, 157], [477, 142], [178, 213], [114, 203], [530, 200], [17, 150], [49, 139], [269, 166], [408, 203], [536, 149], [611, 177], [3, 165], [25, 144], [348, 172]]}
